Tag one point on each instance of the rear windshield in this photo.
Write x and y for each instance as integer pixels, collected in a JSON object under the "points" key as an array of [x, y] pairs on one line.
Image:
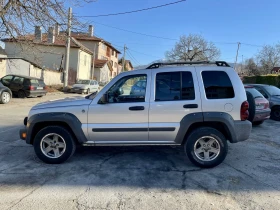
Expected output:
{"points": [[84, 82], [274, 91], [254, 92]]}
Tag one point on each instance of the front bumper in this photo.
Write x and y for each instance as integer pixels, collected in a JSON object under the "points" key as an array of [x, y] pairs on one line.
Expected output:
{"points": [[242, 130], [78, 90], [23, 133], [262, 115]]}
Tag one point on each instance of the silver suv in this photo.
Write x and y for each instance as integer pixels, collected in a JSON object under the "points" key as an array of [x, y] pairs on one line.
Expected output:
{"points": [[199, 105]]}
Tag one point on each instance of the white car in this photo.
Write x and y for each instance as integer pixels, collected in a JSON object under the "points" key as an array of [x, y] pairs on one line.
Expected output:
{"points": [[85, 86], [199, 105]]}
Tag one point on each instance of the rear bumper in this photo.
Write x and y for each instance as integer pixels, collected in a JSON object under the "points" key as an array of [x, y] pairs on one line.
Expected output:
{"points": [[36, 93], [262, 115], [242, 130]]}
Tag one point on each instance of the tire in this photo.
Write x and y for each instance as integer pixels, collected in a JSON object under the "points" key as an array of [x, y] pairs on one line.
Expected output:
{"points": [[275, 113], [41, 147], [206, 134], [258, 123], [21, 94], [88, 91], [39, 96], [252, 106], [5, 97]]}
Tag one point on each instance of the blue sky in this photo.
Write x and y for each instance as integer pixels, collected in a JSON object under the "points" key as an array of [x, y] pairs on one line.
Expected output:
{"points": [[224, 22]]}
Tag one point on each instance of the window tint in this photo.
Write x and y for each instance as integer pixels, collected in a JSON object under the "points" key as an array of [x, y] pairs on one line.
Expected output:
{"points": [[174, 86], [7, 80], [254, 92], [126, 90], [262, 92], [217, 85], [34, 82], [18, 80]]}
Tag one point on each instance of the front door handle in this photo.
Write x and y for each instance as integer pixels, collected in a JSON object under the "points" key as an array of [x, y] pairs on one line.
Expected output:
{"points": [[136, 108], [190, 106]]}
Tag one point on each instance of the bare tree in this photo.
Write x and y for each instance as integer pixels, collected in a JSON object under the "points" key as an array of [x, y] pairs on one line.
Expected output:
{"points": [[193, 48], [18, 17], [251, 67], [269, 57]]}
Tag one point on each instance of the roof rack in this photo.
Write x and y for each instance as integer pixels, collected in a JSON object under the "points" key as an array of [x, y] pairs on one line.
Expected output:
{"points": [[157, 65]]}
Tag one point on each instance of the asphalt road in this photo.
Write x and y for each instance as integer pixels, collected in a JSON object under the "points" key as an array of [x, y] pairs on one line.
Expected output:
{"points": [[136, 177]]}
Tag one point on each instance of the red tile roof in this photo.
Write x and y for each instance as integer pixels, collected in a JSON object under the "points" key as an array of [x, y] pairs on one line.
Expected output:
{"points": [[60, 41]]}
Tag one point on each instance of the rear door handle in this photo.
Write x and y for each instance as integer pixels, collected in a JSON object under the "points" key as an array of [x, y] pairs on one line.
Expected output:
{"points": [[190, 106], [136, 108]]}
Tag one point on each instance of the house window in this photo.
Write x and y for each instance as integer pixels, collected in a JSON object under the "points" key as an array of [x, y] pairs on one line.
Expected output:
{"points": [[103, 46], [108, 52], [85, 60], [113, 52], [116, 55]]}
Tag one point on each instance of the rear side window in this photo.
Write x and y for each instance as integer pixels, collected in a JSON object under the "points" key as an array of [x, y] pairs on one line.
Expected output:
{"points": [[172, 86], [217, 85]]}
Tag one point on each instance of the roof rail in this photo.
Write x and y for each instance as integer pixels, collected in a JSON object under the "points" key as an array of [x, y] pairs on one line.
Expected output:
{"points": [[218, 63]]}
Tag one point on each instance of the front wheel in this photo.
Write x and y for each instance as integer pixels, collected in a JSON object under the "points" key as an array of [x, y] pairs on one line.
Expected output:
{"points": [[21, 94], [5, 98], [206, 147], [88, 91], [54, 144]]}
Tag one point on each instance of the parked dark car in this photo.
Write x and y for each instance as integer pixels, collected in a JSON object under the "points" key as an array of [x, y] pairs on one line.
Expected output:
{"points": [[24, 86], [5, 94], [259, 110], [272, 94]]}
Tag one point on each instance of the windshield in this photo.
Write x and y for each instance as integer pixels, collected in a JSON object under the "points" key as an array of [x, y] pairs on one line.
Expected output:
{"points": [[254, 92], [272, 90], [84, 82]]}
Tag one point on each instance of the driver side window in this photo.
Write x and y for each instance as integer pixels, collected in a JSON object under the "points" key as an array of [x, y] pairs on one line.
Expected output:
{"points": [[127, 90]]}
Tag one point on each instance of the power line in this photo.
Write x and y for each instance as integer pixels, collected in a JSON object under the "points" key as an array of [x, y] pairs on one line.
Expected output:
{"points": [[159, 37], [139, 10], [133, 58], [253, 45]]}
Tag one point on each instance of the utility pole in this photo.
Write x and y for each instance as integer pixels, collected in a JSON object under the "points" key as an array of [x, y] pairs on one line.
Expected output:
{"points": [[242, 65], [238, 45], [66, 65], [123, 61]]}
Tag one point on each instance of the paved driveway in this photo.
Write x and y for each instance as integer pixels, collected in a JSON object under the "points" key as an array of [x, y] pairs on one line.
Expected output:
{"points": [[136, 177]]}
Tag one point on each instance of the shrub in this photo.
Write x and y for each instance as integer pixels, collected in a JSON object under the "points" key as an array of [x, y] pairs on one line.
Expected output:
{"points": [[270, 79]]}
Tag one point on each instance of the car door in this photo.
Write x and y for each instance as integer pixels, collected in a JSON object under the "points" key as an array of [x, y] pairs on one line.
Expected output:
{"points": [[175, 96], [17, 83], [6, 81], [124, 119]]}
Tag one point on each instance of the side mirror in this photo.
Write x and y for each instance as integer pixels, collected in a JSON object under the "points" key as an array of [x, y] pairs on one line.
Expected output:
{"points": [[104, 99], [121, 91]]}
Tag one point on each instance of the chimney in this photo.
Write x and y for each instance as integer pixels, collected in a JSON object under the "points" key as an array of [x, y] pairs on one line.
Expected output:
{"points": [[38, 33], [57, 29], [90, 30], [51, 37]]}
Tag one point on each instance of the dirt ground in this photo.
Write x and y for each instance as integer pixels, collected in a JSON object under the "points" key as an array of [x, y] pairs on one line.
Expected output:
{"points": [[150, 177]]}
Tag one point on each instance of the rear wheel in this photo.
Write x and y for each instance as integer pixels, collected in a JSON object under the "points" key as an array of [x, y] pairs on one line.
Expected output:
{"points": [[275, 113], [206, 147], [5, 98], [54, 144], [258, 123], [88, 91], [21, 94]]}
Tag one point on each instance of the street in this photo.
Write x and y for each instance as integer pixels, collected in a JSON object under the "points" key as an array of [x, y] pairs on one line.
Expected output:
{"points": [[146, 177]]}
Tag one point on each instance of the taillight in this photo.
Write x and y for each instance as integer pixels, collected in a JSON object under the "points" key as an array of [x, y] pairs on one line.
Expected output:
{"points": [[31, 87], [266, 105], [244, 113]]}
